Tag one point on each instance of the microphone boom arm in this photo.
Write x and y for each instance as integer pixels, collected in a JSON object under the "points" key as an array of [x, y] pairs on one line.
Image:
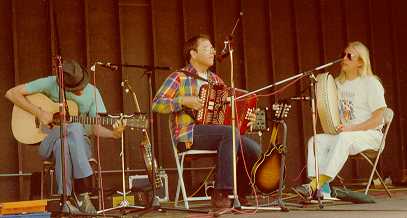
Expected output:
{"points": [[305, 73], [117, 66]]}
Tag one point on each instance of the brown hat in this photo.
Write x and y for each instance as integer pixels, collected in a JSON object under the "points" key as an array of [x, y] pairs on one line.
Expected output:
{"points": [[75, 78]]}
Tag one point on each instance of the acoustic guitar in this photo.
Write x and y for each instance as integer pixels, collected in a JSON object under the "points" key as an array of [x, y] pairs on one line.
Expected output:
{"points": [[266, 171], [27, 129]]}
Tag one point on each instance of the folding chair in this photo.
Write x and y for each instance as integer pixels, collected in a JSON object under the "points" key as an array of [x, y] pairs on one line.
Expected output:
{"points": [[179, 160], [370, 155]]}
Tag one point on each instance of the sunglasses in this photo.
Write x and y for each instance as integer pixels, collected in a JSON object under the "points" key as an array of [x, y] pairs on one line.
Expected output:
{"points": [[349, 56]]}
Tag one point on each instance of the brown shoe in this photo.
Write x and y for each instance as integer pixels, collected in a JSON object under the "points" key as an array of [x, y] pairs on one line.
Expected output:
{"points": [[220, 199]]}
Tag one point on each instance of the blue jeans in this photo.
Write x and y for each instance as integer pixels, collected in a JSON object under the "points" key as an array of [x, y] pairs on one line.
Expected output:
{"points": [[219, 137], [77, 154]]}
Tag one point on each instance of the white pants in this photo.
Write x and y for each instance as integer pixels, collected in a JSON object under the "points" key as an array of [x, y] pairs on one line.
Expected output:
{"points": [[333, 150]]}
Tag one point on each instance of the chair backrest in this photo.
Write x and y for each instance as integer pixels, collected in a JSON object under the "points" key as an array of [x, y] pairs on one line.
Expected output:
{"points": [[388, 118]]}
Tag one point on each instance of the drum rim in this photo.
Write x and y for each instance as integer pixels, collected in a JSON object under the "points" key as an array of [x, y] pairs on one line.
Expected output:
{"points": [[324, 109]]}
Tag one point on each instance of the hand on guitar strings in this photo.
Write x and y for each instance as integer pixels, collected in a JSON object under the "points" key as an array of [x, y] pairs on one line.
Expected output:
{"points": [[118, 128], [45, 117], [193, 102]]}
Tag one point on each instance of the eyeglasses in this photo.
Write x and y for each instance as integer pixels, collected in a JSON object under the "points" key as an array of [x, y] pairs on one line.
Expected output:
{"points": [[208, 49], [349, 56]]}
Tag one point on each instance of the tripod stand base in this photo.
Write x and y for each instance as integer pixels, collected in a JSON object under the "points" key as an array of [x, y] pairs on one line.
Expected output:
{"points": [[156, 202], [123, 205], [281, 205], [236, 203], [264, 208]]}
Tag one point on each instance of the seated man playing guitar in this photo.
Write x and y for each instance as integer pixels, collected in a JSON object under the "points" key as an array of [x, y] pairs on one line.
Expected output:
{"points": [[179, 93], [77, 149]]}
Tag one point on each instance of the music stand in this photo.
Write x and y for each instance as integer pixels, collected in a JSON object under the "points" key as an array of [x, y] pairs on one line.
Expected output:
{"points": [[155, 203], [124, 203]]}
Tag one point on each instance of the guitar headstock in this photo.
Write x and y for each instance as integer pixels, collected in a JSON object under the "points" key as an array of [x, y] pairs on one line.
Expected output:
{"points": [[260, 123], [281, 110], [138, 120]]}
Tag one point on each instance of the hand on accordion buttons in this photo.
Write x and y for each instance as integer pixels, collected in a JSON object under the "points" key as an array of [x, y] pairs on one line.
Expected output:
{"points": [[192, 102]]}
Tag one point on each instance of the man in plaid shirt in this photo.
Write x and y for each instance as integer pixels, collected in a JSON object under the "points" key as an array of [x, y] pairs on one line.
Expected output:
{"points": [[179, 92]]}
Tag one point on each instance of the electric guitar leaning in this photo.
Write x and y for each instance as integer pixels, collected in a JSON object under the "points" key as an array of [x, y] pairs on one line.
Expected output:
{"points": [[266, 171], [27, 129]]}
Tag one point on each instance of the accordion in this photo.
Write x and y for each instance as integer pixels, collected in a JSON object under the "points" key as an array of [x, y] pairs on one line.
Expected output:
{"points": [[217, 109]]}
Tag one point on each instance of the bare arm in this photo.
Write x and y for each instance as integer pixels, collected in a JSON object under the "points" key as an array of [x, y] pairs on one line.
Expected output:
{"points": [[17, 96], [371, 123]]}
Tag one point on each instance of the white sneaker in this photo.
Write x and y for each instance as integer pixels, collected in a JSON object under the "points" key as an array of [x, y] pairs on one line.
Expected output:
{"points": [[69, 208], [85, 204]]}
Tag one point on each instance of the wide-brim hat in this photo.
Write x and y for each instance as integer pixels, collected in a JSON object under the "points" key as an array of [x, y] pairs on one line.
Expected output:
{"points": [[75, 78]]}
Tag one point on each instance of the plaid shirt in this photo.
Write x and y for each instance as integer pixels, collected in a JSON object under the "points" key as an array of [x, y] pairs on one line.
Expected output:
{"points": [[167, 100]]}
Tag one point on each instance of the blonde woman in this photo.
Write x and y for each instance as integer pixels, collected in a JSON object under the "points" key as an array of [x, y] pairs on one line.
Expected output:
{"points": [[361, 107]]}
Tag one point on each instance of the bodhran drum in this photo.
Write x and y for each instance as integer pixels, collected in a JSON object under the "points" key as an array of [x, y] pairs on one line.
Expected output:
{"points": [[327, 103]]}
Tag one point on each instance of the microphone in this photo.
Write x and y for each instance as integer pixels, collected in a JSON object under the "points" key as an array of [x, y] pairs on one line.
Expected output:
{"points": [[228, 41], [222, 55], [108, 65], [301, 98], [225, 51]]}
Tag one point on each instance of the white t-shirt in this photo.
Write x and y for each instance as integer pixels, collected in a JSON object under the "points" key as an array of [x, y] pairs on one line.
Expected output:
{"points": [[358, 98]]}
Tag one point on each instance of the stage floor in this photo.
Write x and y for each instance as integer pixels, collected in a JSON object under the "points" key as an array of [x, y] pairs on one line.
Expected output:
{"points": [[384, 207]]}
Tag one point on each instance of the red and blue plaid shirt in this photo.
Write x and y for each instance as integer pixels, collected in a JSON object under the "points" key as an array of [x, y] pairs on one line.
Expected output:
{"points": [[167, 100]]}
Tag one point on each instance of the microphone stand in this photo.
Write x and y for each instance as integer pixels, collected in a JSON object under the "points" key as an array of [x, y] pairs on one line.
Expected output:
{"points": [[313, 110], [149, 68], [228, 49], [62, 105], [313, 80], [62, 113], [155, 203], [124, 204], [236, 203]]}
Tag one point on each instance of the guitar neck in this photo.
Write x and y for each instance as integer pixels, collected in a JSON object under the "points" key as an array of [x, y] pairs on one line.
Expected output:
{"points": [[92, 120], [274, 134]]}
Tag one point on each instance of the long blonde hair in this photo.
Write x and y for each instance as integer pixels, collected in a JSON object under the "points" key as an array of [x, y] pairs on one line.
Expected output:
{"points": [[366, 69]]}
